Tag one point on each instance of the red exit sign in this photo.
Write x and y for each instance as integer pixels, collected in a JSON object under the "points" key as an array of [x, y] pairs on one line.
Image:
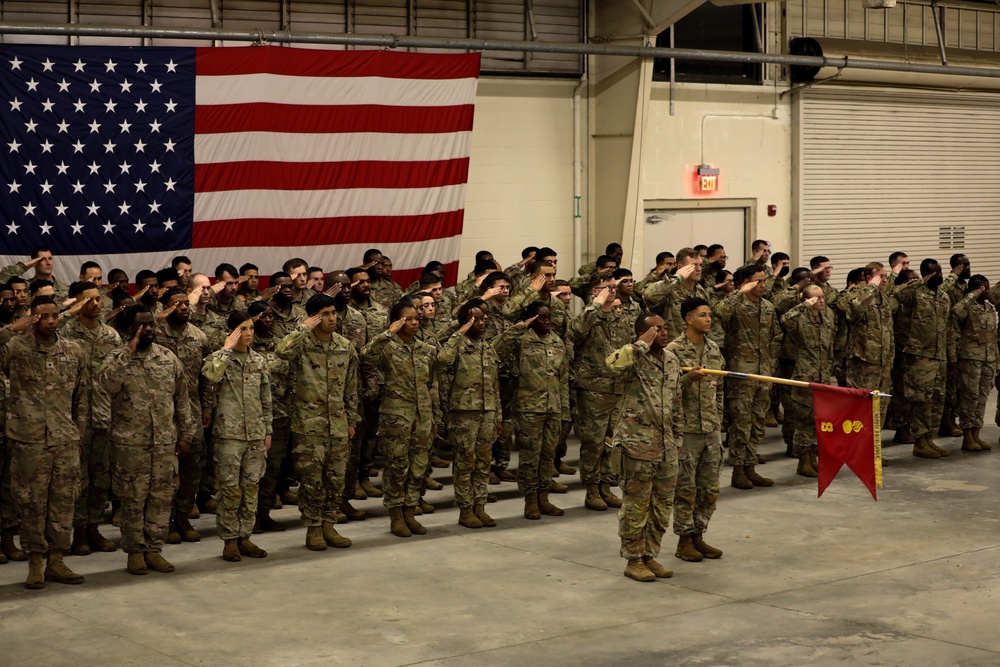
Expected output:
{"points": [[707, 179]]}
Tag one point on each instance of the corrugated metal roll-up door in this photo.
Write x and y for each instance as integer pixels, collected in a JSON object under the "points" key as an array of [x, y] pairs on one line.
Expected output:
{"points": [[882, 170]]}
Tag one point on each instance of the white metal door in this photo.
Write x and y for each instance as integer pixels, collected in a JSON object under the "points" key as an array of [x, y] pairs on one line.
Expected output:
{"points": [[673, 229]]}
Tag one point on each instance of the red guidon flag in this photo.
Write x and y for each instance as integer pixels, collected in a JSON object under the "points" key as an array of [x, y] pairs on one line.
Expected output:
{"points": [[846, 434]]}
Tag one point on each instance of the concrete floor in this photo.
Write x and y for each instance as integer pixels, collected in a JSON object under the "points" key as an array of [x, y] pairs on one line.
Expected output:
{"points": [[911, 580]]}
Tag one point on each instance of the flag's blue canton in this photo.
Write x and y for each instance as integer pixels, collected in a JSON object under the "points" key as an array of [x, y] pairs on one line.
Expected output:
{"points": [[96, 149]]}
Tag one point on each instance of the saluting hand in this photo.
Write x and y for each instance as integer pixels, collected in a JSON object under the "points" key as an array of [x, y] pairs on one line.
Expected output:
{"points": [[811, 301], [133, 343], [268, 293], [165, 313], [233, 338], [141, 293], [22, 324], [464, 329], [313, 320], [218, 287], [334, 290], [649, 335], [747, 286], [687, 271], [877, 280], [538, 282], [397, 326]]}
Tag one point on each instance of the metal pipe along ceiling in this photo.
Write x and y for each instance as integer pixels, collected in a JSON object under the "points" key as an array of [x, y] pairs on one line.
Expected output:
{"points": [[402, 41]]}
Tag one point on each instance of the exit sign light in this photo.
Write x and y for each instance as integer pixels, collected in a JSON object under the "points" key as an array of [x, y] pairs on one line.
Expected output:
{"points": [[708, 179]]}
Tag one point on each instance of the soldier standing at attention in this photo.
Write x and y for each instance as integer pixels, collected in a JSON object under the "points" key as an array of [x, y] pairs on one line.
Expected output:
{"points": [[475, 414], [665, 297], [145, 443], [287, 313], [977, 359], [645, 436], [870, 346], [50, 381], [699, 462], [324, 417], [241, 433], [407, 413]]}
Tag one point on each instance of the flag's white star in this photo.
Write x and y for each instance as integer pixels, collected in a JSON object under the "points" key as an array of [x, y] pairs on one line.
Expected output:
{"points": [[32, 84], [109, 187], [94, 167], [77, 228], [30, 167], [171, 105], [154, 126], [140, 186], [170, 183], [46, 187], [140, 107], [92, 208], [140, 66], [124, 207], [79, 65], [108, 227], [126, 86], [169, 145], [154, 207], [47, 65], [168, 224], [95, 126], [14, 187], [63, 86], [47, 105], [156, 85], [12, 228], [109, 147], [154, 166], [139, 226], [171, 67], [46, 227], [125, 166], [78, 105], [95, 86], [78, 146], [29, 209], [125, 125], [15, 104], [46, 146], [110, 106], [62, 167], [78, 187], [16, 64], [31, 125], [110, 65], [140, 147], [63, 127], [14, 146], [61, 209]]}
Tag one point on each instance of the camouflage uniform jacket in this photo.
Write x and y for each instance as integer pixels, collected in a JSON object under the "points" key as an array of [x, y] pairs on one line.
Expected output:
{"points": [[246, 297], [760, 266], [718, 331], [282, 380], [668, 303], [542, 367], [593, 335], [515, 305], [286, 321], [517, 277], [409, 387], [224, 309], [701, 400], [242, 398], [927, 311], [474, 367], [650, 279], [211, 323], [352, 325], [650, 414], [326, 382], [191, 346], [61, 289], [149, 397], [465, 290], [753, 334], [97, 344], [385, 292], [775, 286], [955, 289], [978, 322], [376, 316], [783, 302], [869, 312], [303, 296], [813, 334], [843, 326], [49, 389]]}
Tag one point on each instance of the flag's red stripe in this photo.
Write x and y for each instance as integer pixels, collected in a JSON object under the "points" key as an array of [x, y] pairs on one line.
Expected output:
{"points": [[326, 231], [321, 62], [268, 117], [328, 176]]}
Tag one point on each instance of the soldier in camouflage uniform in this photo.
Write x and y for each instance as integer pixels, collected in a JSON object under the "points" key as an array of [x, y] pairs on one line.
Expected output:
{"points": [[811, 326], [664, 298], [97, 340], [665, 263], [288, 315], [898, 415], [475, 414], [495, 290], [977, 359], [199, 292], [645, 436], [384, 290], [722, 289], [753, 337], [151, 423], [927, 308], [241, 433], [324, 417], [49, 380], [700, 458], [870, 346], [540, 288], [408, 412], [956, 289], [540, 404]]}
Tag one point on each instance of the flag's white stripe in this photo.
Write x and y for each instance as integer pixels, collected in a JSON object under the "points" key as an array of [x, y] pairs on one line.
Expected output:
{"points": [[339, 147], [299, 204], [407, 255], [327, 91]]}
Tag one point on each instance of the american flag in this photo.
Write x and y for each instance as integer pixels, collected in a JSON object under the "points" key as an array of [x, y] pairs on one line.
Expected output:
{"points": [[130, 156]]}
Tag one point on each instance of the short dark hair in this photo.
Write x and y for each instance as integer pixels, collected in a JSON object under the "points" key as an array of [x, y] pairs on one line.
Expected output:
{"points": [[257, 307], [700, 247], [527, 251], [225, 267], [956, 259], [925, 266], [855, 276], [118, 296], [248, 267], [722, 275], [39, 284], [353, 271], [79, 287], [604, 259], [537, 265], [179, 259], [41, 301], [144, 274], [38, 250], [544, 252], [694, 303], [236, 318], [127, 317], [621, 273], [640, 322], [757, 244], [314, 269], [533, 309], [976, 281], [114, 272], [817, 260], [397, 310], [16, 279], [484, 266], [465, 311], [293, 263], [897, 255], [661, 257], [276, 275], [483, 254], [779, 257], [166, 275], [611, 247], [905, 275], [433, 265], [86, 266], [428, 278], [742, 274], [171, 293], [370, 255], [799, 274], [492, 279], [318, 302], [714, 248]]}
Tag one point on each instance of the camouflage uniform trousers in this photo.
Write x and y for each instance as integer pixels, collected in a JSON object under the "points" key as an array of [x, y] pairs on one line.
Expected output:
{"points": [[647, 498], [951, 388], [502, 446], [190, 466], [144, 478], [975, 382], [44, 480], [281, 438], [804, 440], [699, 465], [562, 449], [539, 435], [405, 441], [748, 403], [923, 387], [9, 516], [369, 446], [875, 377], [840, 368], [321, 463], [95, 477], [353, 471], [898, 415], [784, 396], [239, 465], [472, 436], [595, 411]]}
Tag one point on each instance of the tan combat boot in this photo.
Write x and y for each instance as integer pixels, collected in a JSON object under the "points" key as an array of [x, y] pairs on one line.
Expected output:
{"points": [[173, 537], [805, 466], [370, 489], [186, 530], [608, 496], [940, 450], [739, 480], [969, 443], [483, 517], [231, 551], [814, 459], [756, 479], [425, 506], [267, 523], [658, 570], [314, 538], [157, 563], [80, 546], [333, 538], [547, 508], [56, 570], [531, 507], [396, 523], [36, 571], [432, 484], [352, 513], [686, 550], [637, 570], [949, 429], [467, 517], [923, 450], [411, 522], [593, 501], [136, 563], [97, 541], [248, 548], [558, 488], [983, 445], [704, 548], [8, 547]]}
